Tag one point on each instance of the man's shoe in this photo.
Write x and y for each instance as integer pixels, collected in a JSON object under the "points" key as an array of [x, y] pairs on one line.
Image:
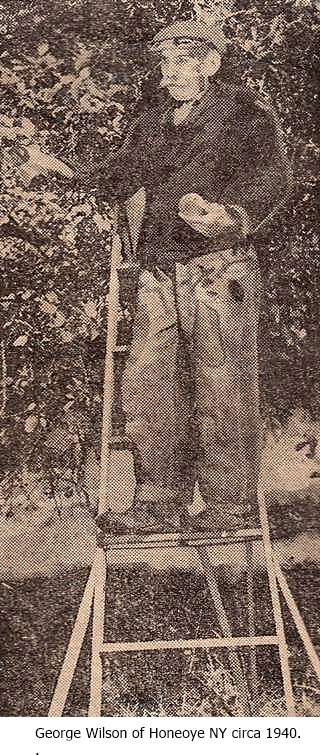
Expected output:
{"points": [[142, 518], [221, 520], [169, 515]]}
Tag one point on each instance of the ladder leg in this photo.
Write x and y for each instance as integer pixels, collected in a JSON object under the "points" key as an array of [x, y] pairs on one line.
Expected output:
{"points": [[95, 703], [251, 625], [283, 650], [297, 618], [75, 644], [98, 635], [235, 661]]}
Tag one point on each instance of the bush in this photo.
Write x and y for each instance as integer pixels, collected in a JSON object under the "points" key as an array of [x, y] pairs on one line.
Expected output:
{"points": [[72, 74]]}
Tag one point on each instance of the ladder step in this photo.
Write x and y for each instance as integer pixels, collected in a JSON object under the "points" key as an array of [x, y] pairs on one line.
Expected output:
{"points": [[180, 539], [121, 349], [120, 443], [128, 267], [205, 642]]}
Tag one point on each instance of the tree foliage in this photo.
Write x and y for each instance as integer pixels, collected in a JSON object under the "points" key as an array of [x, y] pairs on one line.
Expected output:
{"points": [[71, 75]]}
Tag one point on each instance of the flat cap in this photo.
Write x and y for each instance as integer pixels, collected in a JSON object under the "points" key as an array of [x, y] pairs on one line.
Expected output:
{"points": [[185, 30]]}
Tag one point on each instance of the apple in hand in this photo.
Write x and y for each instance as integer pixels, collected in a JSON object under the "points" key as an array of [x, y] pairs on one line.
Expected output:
{"points": [[208, 218]]}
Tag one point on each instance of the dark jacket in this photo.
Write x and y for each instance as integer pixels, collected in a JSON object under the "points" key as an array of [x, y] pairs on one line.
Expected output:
{"points": [[229, 150]]}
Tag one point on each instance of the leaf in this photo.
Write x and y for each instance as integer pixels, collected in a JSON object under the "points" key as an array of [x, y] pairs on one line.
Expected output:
{"points": [[21, 340], [102, 223], [84, 73], [59, 320], [52, 297], [247, 44], [67, 336], [42, 49], [27, 127], [51, 61], [103, 130], [116, 123], [68, 406], [47, 308], [31, 423], [90, 309], [91, 104], [82, 58], [41, 160], [85, 208], [8, 133], [94, 333]]}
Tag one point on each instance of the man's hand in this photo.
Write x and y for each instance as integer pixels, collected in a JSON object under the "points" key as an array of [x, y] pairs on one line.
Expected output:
{"points": [[42, 163], [208, 218]]}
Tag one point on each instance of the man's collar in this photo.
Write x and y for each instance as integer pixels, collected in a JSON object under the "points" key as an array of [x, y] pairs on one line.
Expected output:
{"points": [[209, 100]]}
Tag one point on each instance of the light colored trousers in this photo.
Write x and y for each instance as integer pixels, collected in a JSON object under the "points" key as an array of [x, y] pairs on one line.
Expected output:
{"points": [[190, 389]]}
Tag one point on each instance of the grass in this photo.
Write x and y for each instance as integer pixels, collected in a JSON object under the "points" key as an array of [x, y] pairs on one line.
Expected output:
{"points": [[37, 616]]}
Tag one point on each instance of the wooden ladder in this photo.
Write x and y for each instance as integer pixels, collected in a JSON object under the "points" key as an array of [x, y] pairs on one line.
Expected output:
{"points": [[201, 542], [94, 597]]}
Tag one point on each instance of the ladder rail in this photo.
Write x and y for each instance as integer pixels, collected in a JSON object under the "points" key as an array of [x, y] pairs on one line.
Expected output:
{"points": [[71, 657], [198, 643], [96, 677], [98, 629], [181, 539], [234, 659], [251, 624], [297, 618], [280, 631], [108, 385]]}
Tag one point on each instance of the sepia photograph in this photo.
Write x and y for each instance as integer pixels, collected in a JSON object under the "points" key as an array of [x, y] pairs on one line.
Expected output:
{"points": [[160, 358]]}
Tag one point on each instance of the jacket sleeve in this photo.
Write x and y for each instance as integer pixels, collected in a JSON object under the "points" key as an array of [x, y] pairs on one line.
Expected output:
{"points": [[120, 175], [257, 187], [262, 178], [256, 184]]}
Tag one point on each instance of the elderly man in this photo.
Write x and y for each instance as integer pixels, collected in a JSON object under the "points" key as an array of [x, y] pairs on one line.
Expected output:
{"points": [[205, 169]]}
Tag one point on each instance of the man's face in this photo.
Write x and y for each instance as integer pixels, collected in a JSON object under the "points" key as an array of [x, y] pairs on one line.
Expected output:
{"points": [[184, 72]]}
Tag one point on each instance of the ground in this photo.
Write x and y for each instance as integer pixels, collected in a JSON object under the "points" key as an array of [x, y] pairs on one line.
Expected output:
{"points": [[44, 566]]}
